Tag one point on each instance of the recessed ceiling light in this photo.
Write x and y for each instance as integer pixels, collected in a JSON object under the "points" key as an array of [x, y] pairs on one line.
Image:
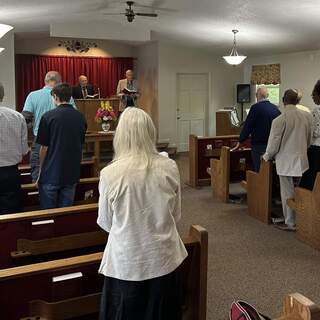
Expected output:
{"points": [[1, 49], [234, 58], [4, 28]]}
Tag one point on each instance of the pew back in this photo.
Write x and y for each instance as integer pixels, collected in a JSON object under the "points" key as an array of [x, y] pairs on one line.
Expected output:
{"points": [[201, 150], [46, 234], [87, 170], [86, 192], [71, 288]]}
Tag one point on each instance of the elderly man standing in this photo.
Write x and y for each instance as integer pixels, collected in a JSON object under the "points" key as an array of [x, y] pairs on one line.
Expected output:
{"points": [[290, 137], [13, 145], [258, 125], [128, 91], [83, 89], [37, 103]]}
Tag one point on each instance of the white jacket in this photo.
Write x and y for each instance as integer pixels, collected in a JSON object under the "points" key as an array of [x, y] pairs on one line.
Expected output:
{"points": [[289, 139]]}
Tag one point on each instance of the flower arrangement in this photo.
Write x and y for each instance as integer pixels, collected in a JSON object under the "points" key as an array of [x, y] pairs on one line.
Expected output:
{"points": [[105, 113]]}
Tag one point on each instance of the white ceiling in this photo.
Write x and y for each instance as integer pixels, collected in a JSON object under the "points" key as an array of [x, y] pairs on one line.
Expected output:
{"points": [[266, 27]]}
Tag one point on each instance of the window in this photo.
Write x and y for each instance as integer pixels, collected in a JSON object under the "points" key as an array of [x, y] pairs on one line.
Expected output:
{"points": [[274, 92]]}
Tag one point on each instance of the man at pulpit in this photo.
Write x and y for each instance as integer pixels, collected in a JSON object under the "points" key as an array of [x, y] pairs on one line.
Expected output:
{"points": [[83, 90], [128, 91]]}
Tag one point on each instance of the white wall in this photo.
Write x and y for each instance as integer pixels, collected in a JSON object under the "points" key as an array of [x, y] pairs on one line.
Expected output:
{"points": [[298, 70], [7, 70], [222, 79]]}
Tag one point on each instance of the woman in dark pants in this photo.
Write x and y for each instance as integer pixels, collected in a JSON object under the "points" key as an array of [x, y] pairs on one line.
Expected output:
{"points": [[139, 205], [309, 176]]}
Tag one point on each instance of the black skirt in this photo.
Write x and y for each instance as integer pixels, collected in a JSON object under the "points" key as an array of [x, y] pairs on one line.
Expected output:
{"points": [[309, 177], [154, 299]]}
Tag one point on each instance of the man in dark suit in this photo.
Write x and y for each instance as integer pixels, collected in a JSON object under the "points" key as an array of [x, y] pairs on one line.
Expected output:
{"points": [[83, 89], [258, 126]]}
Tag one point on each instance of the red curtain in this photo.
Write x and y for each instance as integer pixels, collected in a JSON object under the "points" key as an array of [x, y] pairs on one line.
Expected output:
{"points": [[103, 73]]}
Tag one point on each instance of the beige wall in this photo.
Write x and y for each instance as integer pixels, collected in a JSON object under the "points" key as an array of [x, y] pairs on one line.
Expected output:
{"points": [[148, 73], [49, 46], [7, 70], [222, 79], [298, 70]]}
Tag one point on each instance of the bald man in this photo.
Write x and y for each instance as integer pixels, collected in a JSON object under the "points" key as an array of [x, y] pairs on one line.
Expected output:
{"points": [[83, 89], [258, 126], [126, 85]]}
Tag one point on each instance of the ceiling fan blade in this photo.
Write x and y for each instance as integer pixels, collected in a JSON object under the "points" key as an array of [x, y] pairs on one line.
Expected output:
{"points": [[114, 14], [153, 15], [155, 8]]}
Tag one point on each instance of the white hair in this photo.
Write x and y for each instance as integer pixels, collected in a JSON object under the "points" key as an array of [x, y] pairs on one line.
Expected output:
{"points": [[135, 138], [52, 76]]}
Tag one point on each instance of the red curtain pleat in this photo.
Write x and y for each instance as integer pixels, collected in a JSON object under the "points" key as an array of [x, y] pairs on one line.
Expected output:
{"points": [[103, 73]]}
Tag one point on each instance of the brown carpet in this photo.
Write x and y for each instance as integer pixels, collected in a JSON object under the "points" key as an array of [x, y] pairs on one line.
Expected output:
{"points": [[248, 260]]}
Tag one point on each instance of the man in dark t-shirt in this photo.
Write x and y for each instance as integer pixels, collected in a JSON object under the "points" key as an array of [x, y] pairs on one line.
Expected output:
{"points": [[61, 136]]}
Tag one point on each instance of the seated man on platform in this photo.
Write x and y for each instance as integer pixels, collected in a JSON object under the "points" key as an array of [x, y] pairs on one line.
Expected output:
{"points": [[258, 125], [290, 137], [13, 145], [61, 136], [37, 103], [128, 91], [83, 89]]}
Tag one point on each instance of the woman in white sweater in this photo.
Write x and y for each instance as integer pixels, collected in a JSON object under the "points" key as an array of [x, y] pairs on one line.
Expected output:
{"points": [[139, 205]]}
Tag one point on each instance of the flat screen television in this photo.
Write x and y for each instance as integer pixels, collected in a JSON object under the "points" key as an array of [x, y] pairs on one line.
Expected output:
{"points": [[243, 93]]}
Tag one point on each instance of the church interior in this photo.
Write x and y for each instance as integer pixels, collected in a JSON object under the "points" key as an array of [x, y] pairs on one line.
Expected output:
{"points": [[224, 96]]}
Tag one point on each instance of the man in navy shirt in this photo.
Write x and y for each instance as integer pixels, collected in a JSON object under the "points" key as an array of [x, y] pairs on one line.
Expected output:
{"points": [[61, 136], [258, 126]]}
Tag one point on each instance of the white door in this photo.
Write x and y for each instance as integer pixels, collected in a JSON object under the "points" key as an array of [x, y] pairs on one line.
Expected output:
{"points": [[191, 108]]}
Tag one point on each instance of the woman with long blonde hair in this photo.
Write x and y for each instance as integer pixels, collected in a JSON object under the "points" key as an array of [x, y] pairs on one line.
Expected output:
{"points": [[139, 205]]}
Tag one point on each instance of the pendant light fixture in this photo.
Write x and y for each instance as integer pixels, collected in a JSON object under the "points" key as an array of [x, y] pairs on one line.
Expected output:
{"points": [[234, 58], [4, 28]]}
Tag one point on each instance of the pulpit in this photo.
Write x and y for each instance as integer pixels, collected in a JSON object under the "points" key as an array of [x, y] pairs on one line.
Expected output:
{"points": [[89, 108], [227, 123]]}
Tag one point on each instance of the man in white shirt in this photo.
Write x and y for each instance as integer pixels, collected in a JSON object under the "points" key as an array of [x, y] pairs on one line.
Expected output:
{"points": [[288, 143], [13, 145]]}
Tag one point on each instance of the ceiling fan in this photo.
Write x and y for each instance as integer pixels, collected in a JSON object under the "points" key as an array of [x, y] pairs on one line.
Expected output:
{"points": [[131, 14]]}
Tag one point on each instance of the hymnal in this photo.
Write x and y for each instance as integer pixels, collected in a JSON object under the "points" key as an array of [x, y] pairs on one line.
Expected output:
{"points": [[128, 91]]}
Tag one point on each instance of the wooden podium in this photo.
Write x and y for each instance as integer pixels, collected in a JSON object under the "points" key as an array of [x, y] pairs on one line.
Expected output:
{"points": [[224, 124], [89, 108]]}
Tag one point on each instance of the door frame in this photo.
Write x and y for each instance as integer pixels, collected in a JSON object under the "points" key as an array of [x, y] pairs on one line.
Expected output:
{"points": [[206, 112]]}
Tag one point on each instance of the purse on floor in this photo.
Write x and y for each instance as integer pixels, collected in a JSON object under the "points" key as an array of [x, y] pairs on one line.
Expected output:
{"points": [[241, 310]]}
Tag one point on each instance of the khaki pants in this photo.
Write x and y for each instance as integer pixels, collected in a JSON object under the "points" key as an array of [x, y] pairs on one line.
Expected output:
{"points": [[287, 185]]}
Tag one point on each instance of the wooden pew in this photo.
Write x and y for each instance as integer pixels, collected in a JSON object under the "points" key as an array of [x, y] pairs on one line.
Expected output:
{"points": [[306, 204], [43, 235], [86, 192], [201, 150], [298, 307], [229, 168], [262, 188], [87, 170], [39, 292]]}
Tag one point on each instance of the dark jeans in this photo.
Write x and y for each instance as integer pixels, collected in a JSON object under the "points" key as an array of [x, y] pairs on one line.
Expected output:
{"points": [[309, 177], [10, 190], [257, 151], [55, 196], [154, 299], [35, 161]]}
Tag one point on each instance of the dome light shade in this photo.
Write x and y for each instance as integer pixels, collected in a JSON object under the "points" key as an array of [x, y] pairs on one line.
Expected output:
{"points": [[1, 49], [4, 28], [234, 58]]}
